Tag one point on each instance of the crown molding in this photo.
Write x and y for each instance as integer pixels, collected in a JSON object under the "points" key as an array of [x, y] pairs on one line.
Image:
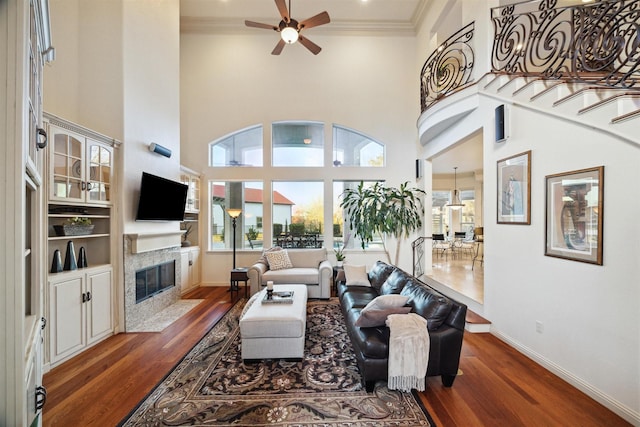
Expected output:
{"points": [[211, 25]]}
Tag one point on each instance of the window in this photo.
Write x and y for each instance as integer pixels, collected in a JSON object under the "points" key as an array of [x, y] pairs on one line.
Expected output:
{"points": [[440, 224], [298, 213], [443, 217], [245, 195], [298, 144], [298, 217], [243, 148], [351, 148], [341, 232]]}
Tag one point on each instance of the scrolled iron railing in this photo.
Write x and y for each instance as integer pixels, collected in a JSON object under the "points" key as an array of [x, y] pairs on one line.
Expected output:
{"points": [[596, 43], [417, 249], [448, 68]]}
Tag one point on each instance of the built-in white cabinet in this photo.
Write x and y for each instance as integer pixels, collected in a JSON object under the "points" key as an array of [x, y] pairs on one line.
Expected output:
{"points": [[80, 227], [81, 163], [190, 268], [81, 311], [192, 180]]}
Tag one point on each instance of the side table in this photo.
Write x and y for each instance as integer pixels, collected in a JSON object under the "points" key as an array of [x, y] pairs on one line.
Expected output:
{"points": [[338, 276], [239, 275]]}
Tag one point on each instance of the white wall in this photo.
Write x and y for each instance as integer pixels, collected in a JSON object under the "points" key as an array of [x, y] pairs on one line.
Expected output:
{"points": [[230, 82], [590, 314]]}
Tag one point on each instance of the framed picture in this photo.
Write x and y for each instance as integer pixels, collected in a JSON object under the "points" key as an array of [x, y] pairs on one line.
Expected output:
{"points": [[514, 189], [574, 215]]}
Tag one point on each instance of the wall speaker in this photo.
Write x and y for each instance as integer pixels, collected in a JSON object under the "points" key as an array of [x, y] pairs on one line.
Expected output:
{"points": [[418, 168], [157, 148], [501, 123]]}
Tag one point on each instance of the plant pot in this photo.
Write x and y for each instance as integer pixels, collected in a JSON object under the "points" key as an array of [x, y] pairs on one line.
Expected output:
{"points": [[73, 230], [339, 263]]}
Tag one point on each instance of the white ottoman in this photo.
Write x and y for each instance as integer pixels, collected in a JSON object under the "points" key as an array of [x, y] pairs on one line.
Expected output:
{"points": [[275, 331]]}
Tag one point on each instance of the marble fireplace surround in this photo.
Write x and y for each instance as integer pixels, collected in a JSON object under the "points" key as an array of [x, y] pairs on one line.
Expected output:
{"points": [[142, 251]]}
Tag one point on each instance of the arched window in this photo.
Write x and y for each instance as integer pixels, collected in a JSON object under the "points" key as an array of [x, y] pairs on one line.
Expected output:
{"points": [[351, 148], [242, 148]]}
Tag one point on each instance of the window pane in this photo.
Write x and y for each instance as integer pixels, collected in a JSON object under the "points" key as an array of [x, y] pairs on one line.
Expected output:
{"points": [[242, 195], [243, 148], [467, 217], [298, 214], [341, 231], [439, 212], [351, 148], [298, 144]]}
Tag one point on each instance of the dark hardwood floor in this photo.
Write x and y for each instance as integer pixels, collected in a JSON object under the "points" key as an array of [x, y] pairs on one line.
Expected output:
{"points": [[498, 385]]}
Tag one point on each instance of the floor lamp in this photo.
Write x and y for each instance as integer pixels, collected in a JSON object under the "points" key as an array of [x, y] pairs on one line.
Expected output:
{"points": [[234, 214]]}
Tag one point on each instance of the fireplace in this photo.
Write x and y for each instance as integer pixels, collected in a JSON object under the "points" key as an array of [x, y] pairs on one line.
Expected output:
{"points": [[155, 279], [152, 272]]}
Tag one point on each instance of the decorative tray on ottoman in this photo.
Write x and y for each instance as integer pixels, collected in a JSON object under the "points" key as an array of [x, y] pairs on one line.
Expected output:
{"points": [[279, 297]]}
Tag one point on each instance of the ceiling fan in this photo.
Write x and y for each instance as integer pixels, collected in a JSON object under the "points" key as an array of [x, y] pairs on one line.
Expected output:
{"points": [[290, 29]]}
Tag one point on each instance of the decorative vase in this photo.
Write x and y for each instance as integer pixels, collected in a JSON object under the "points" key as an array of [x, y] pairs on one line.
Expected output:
{"points": [[56, 264], [82, 258], [70, 257], [339, 263]]}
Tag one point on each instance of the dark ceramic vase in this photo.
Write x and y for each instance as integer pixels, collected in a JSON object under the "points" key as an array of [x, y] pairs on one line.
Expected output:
{"points": [[70, 257], [56, 264], [82, 258]]}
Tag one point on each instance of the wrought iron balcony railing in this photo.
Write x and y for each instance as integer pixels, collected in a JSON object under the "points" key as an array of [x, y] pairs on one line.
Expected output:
{"points": [[596, 43], [448, 68]]}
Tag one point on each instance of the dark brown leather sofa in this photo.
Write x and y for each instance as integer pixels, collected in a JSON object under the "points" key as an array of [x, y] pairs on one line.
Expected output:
{"points": [[445, 322]]}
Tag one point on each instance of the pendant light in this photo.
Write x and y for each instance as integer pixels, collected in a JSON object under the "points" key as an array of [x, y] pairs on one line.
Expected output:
{"points": [[455, 202]]}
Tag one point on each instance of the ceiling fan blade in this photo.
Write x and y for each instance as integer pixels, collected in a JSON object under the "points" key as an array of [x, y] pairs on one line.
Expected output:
{"points": [[259, 25], [282, 8], [314, 48], [276, 50], [320, 19]]}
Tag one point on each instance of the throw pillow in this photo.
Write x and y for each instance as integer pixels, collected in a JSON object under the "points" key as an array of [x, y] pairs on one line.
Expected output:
{"points": [[356, 275], [278, 260], [373, 318], [385, 301], [263, 259]]}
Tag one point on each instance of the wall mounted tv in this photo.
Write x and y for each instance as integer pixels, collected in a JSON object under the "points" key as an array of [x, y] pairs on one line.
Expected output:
{"points": [[161, 199]]}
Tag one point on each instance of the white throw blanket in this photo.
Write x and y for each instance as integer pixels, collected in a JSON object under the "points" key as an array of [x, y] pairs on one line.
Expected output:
{"points": [[408, 352]]}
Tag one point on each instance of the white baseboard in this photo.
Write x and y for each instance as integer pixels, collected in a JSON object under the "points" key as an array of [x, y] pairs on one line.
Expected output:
{"points": [[622, 410]]}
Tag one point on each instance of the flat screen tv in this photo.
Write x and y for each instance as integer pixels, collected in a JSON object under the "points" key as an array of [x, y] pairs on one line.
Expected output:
{"points": [[161, 199]]}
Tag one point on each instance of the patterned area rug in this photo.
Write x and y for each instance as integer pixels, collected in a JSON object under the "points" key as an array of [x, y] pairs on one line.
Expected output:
{"points": [[211, 386]]}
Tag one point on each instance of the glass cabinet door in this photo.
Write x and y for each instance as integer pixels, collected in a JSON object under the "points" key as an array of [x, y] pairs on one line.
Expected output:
{"points": [[99, 172], [67, 172]]}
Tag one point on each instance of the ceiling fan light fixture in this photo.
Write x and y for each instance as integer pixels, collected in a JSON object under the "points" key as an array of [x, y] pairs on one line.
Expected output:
{"points": [[289, 35]]}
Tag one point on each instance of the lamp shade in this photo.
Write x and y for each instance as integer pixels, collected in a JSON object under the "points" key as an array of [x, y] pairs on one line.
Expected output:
{"points": [[234, 213], [455, 201]]}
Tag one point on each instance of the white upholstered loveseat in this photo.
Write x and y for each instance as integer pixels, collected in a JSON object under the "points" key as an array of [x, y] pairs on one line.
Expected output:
{"points": [[310, 268]]}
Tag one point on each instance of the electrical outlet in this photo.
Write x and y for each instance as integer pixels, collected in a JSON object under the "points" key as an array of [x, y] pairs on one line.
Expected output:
{"points": [[539, 327]]}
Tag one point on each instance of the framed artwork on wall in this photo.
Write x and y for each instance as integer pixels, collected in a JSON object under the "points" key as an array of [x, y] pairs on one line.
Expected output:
{"points": [[514, 189], [574, 209]]}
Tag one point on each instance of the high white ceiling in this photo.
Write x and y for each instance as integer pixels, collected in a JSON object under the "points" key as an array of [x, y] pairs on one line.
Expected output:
{"points": [[374, 17]]}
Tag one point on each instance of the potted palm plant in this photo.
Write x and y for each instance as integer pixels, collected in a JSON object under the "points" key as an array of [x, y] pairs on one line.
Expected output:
{"points": [[383, 211]]}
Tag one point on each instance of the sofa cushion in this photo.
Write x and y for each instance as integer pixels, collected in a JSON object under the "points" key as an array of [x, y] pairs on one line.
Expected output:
{"points": [[356, 275], [303, 276], [379, 273], [395, 282], [357, 296], [428, 303], [278, 260], [371, 318], [307, 258], [386, 301]]}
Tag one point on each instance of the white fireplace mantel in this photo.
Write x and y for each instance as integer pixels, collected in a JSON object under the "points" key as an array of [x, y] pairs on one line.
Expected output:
{"points": [[146, 242]]}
